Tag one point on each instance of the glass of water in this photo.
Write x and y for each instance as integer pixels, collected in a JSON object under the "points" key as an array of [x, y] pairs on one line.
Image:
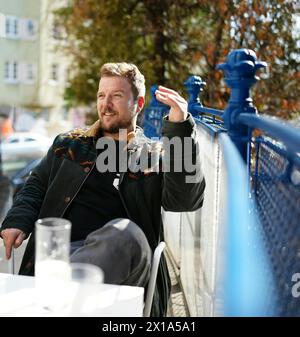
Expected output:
{"points": [[52, 267], [86, 286]]}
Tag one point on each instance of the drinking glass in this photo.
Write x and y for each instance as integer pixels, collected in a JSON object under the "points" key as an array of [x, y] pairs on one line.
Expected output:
{"points": [[86, 282], [52, 268]]}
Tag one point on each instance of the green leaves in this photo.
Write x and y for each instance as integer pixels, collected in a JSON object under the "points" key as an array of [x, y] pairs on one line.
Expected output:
{"points": [[168, 40]]}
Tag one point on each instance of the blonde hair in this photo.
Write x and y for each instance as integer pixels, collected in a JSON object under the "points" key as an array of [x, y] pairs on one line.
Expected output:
{"points": [[128, 71]]}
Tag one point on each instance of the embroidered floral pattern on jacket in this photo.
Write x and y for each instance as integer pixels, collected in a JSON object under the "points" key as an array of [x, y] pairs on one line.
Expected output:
{"points": [[76, 147]]}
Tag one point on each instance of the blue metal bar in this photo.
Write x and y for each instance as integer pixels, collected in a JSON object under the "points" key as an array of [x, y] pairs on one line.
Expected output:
{"points": [[214, 112], [289, 135], [244, 255], [211, 119], [210, 126]]}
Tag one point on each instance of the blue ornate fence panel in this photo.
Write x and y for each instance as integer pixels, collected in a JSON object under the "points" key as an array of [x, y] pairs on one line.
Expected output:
{"points": [[275, 172], [153, 116]]}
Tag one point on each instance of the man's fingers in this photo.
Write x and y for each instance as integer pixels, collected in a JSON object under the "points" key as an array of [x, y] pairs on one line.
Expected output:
{"points": [[165, 89], [171, 100], [171, 92], [164, 99], [171, 95], [8, 246], [12, 237], [178, 104], [19, 240]]}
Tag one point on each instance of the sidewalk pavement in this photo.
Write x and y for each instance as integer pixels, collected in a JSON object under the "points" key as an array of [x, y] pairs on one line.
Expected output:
{"points": [[177, 304]]}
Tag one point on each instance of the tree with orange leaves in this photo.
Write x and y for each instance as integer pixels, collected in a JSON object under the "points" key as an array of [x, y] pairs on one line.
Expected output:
{"points": [[169, 40]]}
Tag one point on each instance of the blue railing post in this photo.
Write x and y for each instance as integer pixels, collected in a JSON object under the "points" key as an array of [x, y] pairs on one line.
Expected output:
{"points": [[194, 86], [153, 115], [239, 69]]}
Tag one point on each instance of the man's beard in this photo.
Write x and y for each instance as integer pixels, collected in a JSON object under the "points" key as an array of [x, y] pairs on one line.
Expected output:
{"points": [[115, 126]]}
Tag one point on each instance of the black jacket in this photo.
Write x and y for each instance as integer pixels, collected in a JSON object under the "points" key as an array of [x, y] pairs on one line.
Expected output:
{"points": [[58, 178]]}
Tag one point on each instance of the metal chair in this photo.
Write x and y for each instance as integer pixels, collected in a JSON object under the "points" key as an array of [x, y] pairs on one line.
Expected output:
{"points": [[153, 274]]}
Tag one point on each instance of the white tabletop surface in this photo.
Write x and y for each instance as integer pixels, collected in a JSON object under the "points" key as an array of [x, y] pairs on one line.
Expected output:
{"points": [[17, 298]]}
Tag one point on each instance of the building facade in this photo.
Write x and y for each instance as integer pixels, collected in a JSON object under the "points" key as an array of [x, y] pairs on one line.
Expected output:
{"points": [[32, 68]]}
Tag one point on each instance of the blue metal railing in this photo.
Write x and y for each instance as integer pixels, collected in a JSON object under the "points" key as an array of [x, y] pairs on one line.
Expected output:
{"points": [[248, 279], [288, 135], [272, 172]]}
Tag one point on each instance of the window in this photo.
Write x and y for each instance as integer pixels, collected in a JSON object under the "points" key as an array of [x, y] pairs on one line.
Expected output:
{"points": [[15, 71], [11, 26], [6, 70], [30, 27], [29, 73], [7, 26], [54, 72], [11, 72], [15, 27]]}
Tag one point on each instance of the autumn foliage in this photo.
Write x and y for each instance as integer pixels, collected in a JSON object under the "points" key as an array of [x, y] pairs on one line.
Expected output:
{"points": [[169, 40]]}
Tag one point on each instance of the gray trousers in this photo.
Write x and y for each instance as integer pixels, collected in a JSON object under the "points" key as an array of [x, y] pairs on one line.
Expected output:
{"points": [[120, 249]]}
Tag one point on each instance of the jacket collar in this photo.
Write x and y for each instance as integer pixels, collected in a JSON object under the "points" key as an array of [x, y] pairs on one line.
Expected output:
{"points": [[93, 130], [134, 139]]}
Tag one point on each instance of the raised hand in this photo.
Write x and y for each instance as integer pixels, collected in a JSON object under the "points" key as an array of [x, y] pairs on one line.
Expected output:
{"points": [[179, 106]]}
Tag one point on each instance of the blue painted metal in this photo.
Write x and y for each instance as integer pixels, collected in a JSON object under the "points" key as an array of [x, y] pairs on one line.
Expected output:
{"points": [[261, 254], [204, 110], [279, 148], [194, 85], [153, 115], [239, 69], [212, 126], [287, 134], [277, 195], [247, 281]]}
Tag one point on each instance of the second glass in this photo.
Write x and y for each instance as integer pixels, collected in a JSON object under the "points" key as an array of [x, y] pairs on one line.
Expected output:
{"points": [[52, 268]]}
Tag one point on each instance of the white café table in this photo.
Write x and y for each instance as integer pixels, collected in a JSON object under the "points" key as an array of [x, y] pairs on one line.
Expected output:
{"points": [[17, 298]]}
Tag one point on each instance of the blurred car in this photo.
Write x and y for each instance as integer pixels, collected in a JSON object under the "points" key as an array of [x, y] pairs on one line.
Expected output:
{"points": [[24, 146], [19, 178]]}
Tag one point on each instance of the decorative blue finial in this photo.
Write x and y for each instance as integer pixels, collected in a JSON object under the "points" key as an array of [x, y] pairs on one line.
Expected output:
{"points": [[240, 75], [241, 63], [194, 85]]}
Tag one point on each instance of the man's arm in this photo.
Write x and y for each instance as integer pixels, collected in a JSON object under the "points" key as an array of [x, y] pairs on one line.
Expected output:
{"points": [[20, 219], [182, 189]]}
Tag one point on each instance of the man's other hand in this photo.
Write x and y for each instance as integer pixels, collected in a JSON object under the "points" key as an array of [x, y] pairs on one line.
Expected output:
{"points": [[12, 237], [178, 104]]}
